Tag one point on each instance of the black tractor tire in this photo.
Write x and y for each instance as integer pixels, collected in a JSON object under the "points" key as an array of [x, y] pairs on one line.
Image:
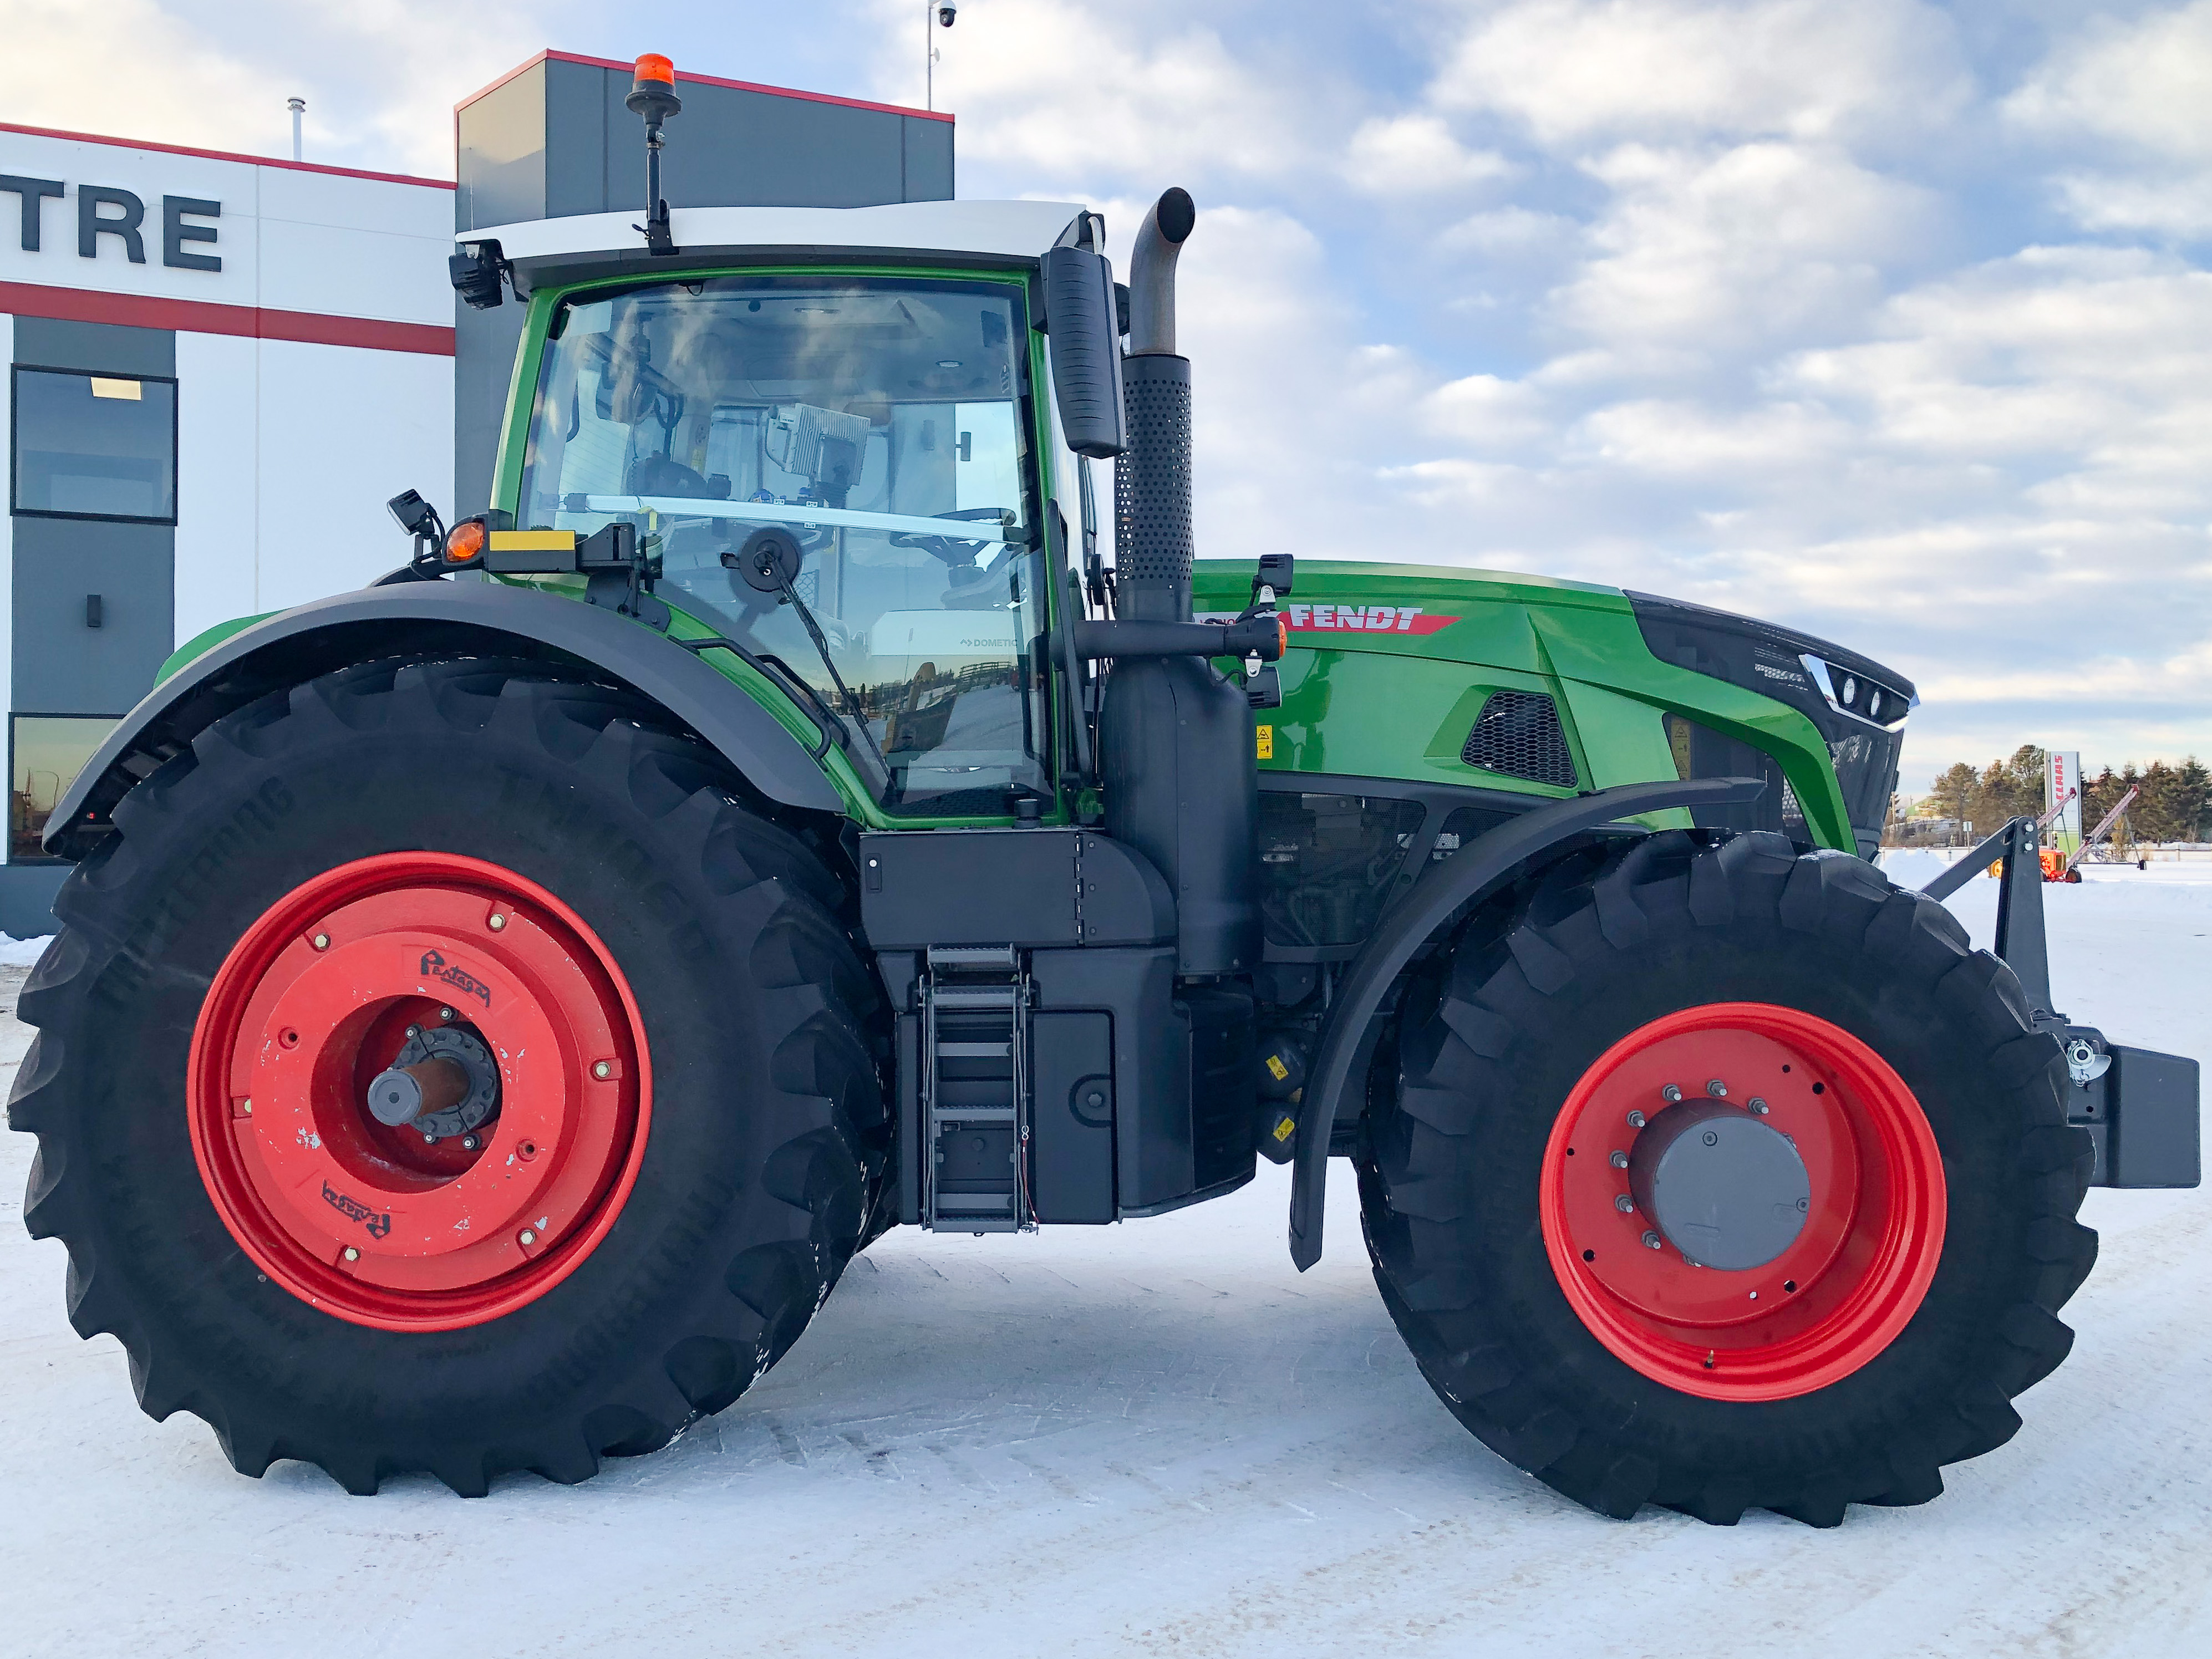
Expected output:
{"points": [[1541, 983], [759, 1173]]}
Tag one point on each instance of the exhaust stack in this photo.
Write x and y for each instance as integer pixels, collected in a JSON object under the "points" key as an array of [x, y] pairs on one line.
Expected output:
{"points": [[1151, 478], [1174, 738]]}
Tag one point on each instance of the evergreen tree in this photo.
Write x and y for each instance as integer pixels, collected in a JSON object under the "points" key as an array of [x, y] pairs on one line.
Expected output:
{"points": [[2194, 789], [2009, 789], [1954, 792]]}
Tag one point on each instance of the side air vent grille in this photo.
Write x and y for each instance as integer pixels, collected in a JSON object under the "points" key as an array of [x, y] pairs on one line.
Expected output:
{"points": [[1518, 733]]}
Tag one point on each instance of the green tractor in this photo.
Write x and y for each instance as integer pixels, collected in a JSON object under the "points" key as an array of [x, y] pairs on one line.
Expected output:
{"points": [[493, 1008]]}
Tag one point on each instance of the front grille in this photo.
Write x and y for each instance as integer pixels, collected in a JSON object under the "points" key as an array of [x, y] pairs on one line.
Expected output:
{"points": [[1518, 733]]}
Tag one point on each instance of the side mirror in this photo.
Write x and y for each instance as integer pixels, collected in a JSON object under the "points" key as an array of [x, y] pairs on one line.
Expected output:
{"points": [[1087, 351]]}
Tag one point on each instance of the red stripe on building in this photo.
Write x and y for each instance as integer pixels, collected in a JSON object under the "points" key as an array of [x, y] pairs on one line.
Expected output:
{"points": [[549, 55], [227, 155], [77, 304]]}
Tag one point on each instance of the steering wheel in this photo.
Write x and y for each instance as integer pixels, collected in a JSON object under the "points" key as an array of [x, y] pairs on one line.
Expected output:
{"points": [[945, 548]]}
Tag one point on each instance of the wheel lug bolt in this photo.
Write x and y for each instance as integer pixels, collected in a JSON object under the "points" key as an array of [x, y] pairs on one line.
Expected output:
{"points": [[470, 1143], [1624, 1204], [1653, 1242], [1670, 1094], [245, 1109], [1758, 1107], [445, 1014], [1620, 1160], [430, 1139], [497, 922], [526, 1236], [351, 1254], [1636, 1120], [322, 941], [1717, 1089], [414, 1032], [602, 1070]]}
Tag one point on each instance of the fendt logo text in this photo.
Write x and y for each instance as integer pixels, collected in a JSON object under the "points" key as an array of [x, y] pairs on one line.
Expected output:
{"points": [[1352, 619]]}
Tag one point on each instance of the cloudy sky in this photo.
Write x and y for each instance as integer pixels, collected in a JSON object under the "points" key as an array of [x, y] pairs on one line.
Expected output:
{"points": [[1886, 319]]}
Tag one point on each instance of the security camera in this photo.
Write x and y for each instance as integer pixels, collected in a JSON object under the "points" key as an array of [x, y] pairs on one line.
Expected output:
{"points": [[946, 13]]}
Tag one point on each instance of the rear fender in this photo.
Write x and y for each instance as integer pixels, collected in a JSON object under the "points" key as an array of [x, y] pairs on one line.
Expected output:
{"points": [[1476, 870], [459, 618]]}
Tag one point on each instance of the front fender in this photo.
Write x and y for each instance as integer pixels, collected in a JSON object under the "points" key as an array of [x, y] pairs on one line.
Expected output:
{"points": [[464, 618], [1425, 907]]}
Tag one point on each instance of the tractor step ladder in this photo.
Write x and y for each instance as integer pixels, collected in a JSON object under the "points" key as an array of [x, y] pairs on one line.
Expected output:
{"points": [[975, 1090]]}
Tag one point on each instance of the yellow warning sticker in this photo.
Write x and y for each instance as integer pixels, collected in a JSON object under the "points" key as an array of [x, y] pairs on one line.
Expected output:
{"points": [[1275, 1066], [1287, 1128], [1266, 743]]}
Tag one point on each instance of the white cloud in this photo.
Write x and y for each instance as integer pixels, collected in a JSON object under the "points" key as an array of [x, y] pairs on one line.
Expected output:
{"points": [[2142, 92], [2148, 83], [1735, 249], [1574, 70], [1417, 156], [151, 76], [1511, 232], [1061, 90], [381, 76]]}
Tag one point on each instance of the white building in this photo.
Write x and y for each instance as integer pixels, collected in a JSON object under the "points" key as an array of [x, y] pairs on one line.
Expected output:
{"points": [[220, 367]]}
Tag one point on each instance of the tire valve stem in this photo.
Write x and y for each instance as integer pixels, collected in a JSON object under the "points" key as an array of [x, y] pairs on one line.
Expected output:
{"points": [[1708, 1360]]}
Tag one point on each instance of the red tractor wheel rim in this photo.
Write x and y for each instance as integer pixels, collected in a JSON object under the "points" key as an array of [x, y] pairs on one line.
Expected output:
{"points": [[1836, 1296], [371, 1223]]}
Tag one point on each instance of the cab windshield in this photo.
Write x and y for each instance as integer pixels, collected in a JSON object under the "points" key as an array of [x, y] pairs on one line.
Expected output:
{"points": [[883, 425]]}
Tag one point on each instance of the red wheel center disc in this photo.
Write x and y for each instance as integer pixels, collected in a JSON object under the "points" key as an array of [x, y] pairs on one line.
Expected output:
{"points": [[1841, 1290], [376, 1223]]}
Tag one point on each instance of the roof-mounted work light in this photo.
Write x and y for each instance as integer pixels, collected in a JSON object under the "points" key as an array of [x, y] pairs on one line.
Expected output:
{"points": [[652, 95]]}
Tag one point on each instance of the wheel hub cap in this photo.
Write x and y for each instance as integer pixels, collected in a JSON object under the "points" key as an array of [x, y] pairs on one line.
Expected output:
{"points": [[1722, 1187], [419, 1091], [1743, 1201]]}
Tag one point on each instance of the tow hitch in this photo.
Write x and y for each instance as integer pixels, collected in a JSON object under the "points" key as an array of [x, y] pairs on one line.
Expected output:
{"points": [[2139, 1106]]}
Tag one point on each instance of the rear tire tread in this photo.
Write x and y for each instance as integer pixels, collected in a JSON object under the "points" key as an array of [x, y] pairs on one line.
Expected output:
{"points": [[824, 1086]]}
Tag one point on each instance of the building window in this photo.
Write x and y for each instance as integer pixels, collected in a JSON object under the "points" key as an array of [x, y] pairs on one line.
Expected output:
{"points": [[95, 446], [45, 753]]}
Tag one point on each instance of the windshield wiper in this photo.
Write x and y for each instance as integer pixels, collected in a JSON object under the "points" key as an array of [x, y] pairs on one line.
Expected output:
{"points": [[859, 715]]}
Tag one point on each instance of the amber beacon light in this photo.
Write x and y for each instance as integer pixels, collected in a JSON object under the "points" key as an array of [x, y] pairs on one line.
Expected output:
{"points": [[652, 95]]}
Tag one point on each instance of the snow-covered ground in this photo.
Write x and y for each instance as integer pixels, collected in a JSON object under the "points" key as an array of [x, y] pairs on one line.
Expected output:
{"points": [[1152, 1438]]}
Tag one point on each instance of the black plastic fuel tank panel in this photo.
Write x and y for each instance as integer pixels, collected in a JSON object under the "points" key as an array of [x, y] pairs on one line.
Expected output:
{"points": [[1177, 750], [920, 888], [1072, 1116], [1224, 1098]]}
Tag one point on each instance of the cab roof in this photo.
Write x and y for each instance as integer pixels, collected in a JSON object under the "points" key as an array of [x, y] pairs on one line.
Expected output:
{"points": [[549, 250]]}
